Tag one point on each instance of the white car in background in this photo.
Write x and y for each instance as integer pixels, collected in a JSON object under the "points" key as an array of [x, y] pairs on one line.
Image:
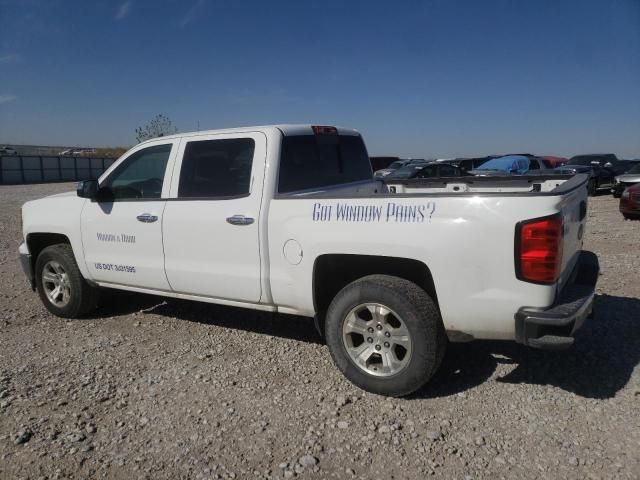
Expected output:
{"points": [[7, 150]]}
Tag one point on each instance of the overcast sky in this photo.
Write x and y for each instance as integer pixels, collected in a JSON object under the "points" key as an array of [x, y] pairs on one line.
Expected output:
{"points": [[438, 78]]}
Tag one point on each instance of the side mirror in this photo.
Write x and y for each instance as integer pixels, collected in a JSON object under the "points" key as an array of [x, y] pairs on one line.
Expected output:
{"points": [[87, 189]]}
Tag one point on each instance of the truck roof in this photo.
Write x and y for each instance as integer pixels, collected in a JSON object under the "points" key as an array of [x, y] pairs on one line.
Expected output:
{"points": [[286, 129]]}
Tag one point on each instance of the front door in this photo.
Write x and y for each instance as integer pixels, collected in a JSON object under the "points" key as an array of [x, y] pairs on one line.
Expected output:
{"points": [[122, 229], [211, 222]]}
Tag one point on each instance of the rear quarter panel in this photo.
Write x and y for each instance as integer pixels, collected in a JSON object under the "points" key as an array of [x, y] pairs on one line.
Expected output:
{"points": [[467, 242]]}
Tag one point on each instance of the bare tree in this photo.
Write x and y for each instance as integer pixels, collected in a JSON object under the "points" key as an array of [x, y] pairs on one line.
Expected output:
{"points": [[159, 126]]}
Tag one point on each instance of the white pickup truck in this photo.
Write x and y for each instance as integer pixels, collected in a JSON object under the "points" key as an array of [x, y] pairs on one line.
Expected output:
{"points": [[289, 219]]}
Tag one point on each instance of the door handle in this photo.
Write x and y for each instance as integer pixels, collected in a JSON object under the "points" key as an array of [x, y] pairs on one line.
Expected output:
{"points": [[147, 218], [239, 220]]}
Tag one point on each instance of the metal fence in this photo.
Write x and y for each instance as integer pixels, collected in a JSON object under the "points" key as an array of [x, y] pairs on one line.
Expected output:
{"points": [[18, 169]]}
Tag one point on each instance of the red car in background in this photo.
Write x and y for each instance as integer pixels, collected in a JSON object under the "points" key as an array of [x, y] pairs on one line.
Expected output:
{"points": [[556, 161], [630, 202]]}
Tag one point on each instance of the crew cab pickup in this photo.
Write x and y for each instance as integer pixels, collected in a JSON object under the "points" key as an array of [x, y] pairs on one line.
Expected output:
{"points": [[290, 219]]}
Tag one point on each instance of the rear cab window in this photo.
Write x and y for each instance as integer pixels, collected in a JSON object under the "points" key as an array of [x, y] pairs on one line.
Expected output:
{"points": [[322, 160]]}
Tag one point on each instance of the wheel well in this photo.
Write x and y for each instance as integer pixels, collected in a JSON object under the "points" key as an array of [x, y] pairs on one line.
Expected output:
{"points": [[331, 273], [39, 241]]}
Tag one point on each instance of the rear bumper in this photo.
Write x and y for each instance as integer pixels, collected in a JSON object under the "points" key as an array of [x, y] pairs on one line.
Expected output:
{"points": [[25, 262], [554, 327]]}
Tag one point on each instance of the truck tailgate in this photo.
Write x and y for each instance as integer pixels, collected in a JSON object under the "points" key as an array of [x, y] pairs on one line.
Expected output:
{"points": [[573, 210]]}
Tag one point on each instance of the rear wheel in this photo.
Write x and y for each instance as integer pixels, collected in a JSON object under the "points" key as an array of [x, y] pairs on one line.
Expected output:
{"points": [[62, 289], [385, 334], [630, 216]]}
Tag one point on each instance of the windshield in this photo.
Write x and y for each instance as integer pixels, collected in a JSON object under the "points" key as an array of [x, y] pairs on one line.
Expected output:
{"points": [[590, 160], [396, 164]]}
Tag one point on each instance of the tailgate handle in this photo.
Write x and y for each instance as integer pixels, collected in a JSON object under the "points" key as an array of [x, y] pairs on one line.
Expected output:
{"points": [[583, 210]]}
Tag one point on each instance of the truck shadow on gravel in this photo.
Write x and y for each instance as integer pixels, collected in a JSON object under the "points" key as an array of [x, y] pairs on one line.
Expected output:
{"points": [[599, 364], [265, 323]]}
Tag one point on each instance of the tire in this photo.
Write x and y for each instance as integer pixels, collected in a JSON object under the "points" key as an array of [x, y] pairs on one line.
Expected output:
{"points": [[397, 309], [630, 216], [592, 188], [76, 297]]}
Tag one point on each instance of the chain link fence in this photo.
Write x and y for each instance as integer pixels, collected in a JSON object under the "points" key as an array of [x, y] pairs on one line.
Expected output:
{"points": [[20, 169]]}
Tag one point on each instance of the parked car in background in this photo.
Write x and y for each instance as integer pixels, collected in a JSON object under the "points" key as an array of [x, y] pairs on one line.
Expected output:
{"points": [[630, 177], [7, 150], [630, 202], [408, 169], [554, 161], [467, 164], [77, 152], [426, 170], [601, 167], [511, 165], [391, 168], [398, 165], [597, 159], [380, 163]]}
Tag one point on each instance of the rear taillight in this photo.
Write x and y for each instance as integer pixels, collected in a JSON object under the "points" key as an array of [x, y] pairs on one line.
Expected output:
{"points": [[324, 130], [539, 250]]}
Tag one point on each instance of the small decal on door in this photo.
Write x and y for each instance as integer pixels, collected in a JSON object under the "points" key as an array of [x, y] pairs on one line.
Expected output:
{"points": [[114, 267], [116, 237]]}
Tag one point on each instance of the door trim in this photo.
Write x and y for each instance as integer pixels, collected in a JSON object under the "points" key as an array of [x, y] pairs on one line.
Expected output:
{"points": [[187, 296]]}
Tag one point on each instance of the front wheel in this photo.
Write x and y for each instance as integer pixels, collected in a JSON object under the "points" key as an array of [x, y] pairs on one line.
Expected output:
{"points": [[385, 334], [62, 289], [592, 188]]}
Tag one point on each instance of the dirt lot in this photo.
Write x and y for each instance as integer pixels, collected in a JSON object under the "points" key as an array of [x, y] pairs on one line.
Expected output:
{"points": [[149, 390]]}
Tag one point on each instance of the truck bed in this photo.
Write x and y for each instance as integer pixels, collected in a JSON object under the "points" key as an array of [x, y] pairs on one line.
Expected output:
{"points": [[465, 236], [554, 184], [549, 183]]}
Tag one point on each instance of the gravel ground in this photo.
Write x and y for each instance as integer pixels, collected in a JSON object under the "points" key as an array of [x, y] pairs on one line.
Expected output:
{"points": [[145, 389]]}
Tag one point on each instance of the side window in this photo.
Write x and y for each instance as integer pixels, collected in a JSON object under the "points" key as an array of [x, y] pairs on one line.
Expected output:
{"points": [[216, 168], [466, 165], [140, 175], [477, 163], [533, 164], [426, 172], [447, 171]]}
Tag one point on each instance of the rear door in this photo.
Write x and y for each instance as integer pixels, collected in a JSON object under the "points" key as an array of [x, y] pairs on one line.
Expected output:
{"points": [[211, 221], [122, 231]]}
